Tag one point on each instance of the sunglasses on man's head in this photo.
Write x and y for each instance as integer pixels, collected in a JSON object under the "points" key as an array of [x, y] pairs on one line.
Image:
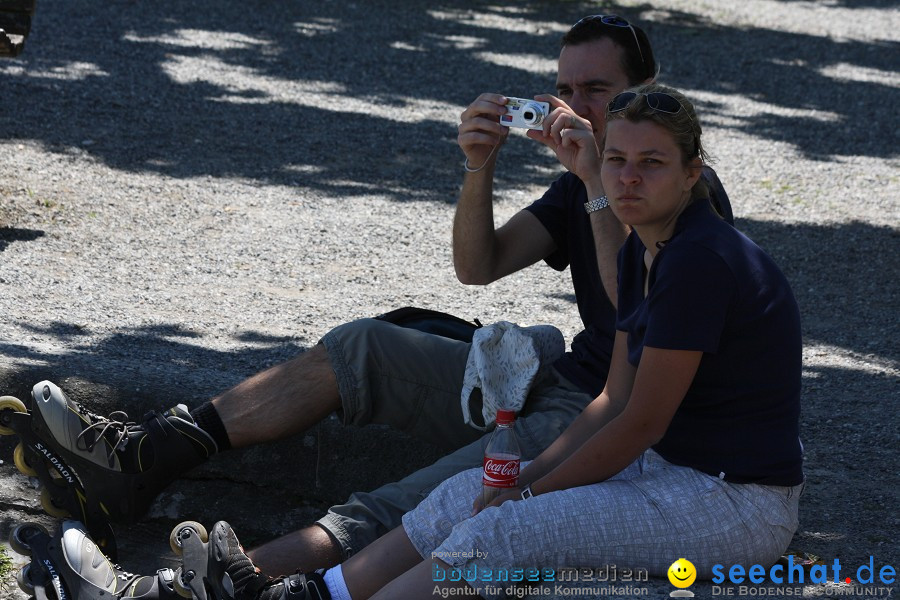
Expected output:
{"points": [[615, 21], [658, 101]]}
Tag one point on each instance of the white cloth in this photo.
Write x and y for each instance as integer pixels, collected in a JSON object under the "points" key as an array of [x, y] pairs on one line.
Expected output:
{"points": [[504, 362]]}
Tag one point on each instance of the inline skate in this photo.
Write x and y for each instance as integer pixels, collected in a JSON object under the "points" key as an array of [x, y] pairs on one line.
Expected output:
{"points": [[69, 566], [99, 470], [215, 567]]}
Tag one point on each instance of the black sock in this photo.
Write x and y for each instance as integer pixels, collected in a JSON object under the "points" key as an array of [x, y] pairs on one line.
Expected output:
{"points": [[207, 419]]}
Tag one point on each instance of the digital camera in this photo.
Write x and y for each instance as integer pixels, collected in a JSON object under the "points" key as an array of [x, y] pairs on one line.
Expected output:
{"points": [[526, 114]]}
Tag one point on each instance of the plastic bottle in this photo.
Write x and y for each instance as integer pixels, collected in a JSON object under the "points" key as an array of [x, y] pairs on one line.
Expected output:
{"points": [[501, 458]]}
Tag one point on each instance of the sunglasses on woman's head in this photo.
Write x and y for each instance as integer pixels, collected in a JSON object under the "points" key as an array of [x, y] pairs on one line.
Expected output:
{"points": [[658, 101], [615, 21]]}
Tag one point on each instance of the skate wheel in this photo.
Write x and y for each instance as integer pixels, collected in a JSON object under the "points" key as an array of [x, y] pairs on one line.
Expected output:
{"points": [[184, 530], [24, 580], [180, 587], [20, 537], [21, 462], [14, 404], [50, 508]]}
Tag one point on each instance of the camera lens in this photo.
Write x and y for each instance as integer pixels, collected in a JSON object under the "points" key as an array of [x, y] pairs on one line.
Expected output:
{"points": [[533, 114]]}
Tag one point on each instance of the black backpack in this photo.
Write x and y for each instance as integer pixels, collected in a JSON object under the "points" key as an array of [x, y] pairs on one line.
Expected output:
{"points": [[432, 321]]}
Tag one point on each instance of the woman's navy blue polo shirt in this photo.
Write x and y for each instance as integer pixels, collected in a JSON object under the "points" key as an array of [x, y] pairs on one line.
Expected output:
{"points": [[712, 289]]}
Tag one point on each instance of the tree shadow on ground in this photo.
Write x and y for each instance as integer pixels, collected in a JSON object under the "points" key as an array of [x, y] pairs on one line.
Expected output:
{"points": [[861, 315], [317, 95], [9, 235]]}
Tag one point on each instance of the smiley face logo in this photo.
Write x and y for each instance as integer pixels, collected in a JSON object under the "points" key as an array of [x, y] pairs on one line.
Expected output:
{"points": [[682, 573]]}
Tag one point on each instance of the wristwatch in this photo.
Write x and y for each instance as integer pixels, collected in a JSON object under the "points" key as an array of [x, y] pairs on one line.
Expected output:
{"points": [[526, 492], [596, 204]]}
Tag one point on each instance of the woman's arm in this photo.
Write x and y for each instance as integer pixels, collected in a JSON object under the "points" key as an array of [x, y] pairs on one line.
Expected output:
{"points": [[660, 384], [603, 409]]}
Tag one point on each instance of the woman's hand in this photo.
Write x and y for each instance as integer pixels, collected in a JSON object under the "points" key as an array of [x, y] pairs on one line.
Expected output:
{"points": [[514, 493]]}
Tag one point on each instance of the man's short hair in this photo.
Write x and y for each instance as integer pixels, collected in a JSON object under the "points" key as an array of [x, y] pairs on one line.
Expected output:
{"points": [[638, 61]]}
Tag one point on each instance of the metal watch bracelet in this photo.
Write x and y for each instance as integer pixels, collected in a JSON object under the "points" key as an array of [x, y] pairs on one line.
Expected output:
{"points": [[596, 204]]}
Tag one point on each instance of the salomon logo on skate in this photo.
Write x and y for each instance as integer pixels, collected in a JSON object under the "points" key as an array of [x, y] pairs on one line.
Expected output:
{"points": [[54, 577], [59, 465]]}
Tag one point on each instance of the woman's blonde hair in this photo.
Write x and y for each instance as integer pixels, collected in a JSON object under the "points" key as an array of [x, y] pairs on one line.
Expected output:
{"points": [[682, 124]]}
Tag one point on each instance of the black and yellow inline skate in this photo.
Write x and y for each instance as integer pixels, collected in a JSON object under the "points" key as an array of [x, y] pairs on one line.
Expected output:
{"points": [[99, 470], [69, 566], [215, 567]]}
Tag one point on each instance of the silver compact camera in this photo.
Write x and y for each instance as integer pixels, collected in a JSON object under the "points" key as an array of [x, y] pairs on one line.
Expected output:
{"points": [[526, 114]]}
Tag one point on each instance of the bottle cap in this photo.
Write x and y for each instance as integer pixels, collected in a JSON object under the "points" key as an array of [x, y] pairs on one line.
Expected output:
{"points": [[505, 416]]}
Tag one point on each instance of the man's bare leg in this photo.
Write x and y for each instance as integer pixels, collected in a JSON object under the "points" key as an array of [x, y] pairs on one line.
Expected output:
{"points": [[302, 551], [286, 399], [385, 559], [391, 567], [281, 401], [418, 583]]}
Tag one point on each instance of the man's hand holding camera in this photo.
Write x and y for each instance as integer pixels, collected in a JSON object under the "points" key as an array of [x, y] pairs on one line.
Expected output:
{"points": [[480, 132], [484, 126], [570, 137]]}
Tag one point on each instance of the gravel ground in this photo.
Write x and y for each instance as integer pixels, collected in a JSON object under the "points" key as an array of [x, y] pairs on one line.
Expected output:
{"points": [[190, 192]]}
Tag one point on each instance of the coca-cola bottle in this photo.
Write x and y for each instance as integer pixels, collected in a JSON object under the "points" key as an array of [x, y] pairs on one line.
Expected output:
{"points": [[501, 458]]}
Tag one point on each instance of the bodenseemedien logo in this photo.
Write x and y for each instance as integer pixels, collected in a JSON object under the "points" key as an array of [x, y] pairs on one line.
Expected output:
{"points": [[682, 574]]}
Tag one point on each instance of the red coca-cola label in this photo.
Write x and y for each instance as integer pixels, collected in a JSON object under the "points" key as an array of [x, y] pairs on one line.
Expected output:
{"points": [[501, 473]]}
